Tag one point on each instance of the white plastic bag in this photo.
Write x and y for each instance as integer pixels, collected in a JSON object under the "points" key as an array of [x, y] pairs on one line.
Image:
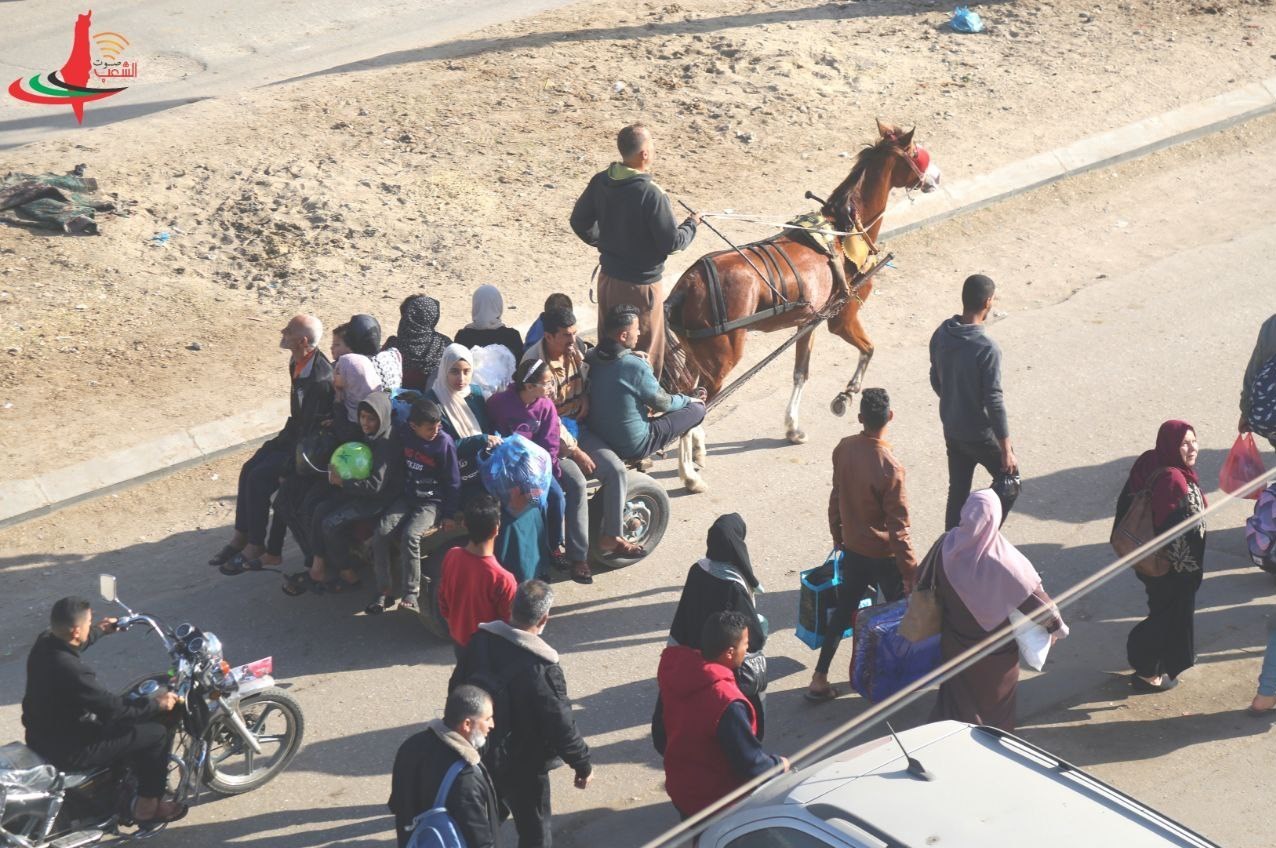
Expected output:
{"points": [[1033, 639], [493, 368]]}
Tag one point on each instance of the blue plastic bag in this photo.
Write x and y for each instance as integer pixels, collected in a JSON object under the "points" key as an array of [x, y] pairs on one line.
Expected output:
{"points": [[817, 600], [883, 661], [401, 404], [965, 20], [518, 464]]}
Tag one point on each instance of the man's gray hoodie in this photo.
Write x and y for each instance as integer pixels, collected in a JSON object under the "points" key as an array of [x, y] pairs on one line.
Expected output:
{"points": [[965, 371]]}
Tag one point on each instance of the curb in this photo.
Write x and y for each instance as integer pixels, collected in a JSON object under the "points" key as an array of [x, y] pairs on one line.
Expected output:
{"points": [[25, 499]]}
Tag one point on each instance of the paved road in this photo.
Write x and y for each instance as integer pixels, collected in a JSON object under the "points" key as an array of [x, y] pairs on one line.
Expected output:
{"points": [[192, 51], [1161, 331]]}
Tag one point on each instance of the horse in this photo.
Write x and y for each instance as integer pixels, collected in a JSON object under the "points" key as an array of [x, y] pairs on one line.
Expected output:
{"points": [[796, 283]]}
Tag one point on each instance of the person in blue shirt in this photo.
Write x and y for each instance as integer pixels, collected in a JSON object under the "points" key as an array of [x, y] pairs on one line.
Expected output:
{"points": [[622, 388], [431, 496]]}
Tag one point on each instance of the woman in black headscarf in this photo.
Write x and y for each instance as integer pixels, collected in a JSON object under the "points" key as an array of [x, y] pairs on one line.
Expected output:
{"points": [[417, 340], [723, 581]]}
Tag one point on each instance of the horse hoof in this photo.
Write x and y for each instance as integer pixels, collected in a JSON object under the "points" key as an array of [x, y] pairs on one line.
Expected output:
{"points": [[796, 437], [838, 406], [695, 485]]}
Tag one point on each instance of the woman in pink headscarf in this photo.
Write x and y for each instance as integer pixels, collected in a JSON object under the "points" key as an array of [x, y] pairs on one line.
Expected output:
{"points": [[1162, 646], [981, 578], [354, 377]]}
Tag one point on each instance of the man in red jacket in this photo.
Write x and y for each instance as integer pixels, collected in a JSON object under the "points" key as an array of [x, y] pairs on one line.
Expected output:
{"points": [[712, 745]]}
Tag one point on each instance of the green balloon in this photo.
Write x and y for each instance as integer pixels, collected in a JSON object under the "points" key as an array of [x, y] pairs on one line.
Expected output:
{"points": [[352, 461]]}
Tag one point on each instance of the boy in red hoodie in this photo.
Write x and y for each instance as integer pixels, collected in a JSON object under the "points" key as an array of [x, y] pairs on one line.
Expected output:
{"points": [[474, 587], [711, 730]]}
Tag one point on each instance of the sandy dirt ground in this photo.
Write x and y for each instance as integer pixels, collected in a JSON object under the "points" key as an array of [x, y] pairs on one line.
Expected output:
{"points": [[440, 169], [1127, 296]]}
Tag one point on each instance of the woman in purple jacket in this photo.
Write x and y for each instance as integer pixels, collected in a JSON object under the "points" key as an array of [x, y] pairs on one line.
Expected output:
{"points": [[527, 408]]}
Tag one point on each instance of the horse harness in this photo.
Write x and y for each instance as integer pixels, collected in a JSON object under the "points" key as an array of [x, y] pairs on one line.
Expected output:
{"points": [[769, 261]]}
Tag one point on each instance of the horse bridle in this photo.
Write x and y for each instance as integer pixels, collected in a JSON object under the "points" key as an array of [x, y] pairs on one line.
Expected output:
{"points": [[862, 229]]}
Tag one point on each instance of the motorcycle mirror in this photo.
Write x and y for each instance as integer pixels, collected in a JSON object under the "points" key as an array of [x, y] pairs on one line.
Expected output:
{"points": [[106, 587]]}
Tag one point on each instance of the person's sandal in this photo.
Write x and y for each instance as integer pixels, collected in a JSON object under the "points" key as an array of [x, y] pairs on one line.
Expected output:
{"points": [[581, 574], [236, 565], [409, 603], [225, 555], [299, 583], [378, 606], [819, 696], [559, 561], [177, 812], [624, 550]]}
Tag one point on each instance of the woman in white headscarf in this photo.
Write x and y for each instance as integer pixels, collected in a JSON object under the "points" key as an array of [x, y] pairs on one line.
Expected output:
{"points": [[465, 416], [486, 328]]}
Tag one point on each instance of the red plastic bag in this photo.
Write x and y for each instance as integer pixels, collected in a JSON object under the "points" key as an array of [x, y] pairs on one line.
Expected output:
{"points": [[1243, 464]]}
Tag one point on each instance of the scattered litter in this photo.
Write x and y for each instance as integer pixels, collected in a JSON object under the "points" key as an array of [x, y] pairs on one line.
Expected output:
{"points": [[1121, 225], [8, 404], [618, 87], [160, 239], [81, 307], [53, 201], [214, 477], [965, 20]]}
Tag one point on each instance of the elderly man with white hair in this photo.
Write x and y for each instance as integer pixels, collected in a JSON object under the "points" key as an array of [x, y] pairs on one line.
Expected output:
{"points": [[310, 399]]}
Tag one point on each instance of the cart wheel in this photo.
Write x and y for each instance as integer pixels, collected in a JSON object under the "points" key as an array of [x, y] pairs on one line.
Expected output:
{"points": [[643, 521]]}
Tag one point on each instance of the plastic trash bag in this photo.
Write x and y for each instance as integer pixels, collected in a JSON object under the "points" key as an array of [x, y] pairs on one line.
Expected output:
{"points": [[518, 465], [1243, 464], [884, 662], [1033, 639], [401, 401], [493, 368], [352, 461], [965, 20], [1260, 531]]}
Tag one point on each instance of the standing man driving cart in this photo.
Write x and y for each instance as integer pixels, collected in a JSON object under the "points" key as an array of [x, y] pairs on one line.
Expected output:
{"points": [[630, 220]]}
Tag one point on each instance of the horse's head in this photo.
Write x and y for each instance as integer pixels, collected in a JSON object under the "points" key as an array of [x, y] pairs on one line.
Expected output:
{"points": [[912, 166]]}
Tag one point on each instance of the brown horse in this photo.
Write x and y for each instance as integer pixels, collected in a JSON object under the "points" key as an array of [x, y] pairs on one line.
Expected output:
{"points": [[801, 274]]}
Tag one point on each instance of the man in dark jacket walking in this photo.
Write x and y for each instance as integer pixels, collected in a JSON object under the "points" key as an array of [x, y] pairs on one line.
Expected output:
{"points": [[965, 371], [630, 220], [78, 725], [424, 759], [539, 733], [309, 400]]}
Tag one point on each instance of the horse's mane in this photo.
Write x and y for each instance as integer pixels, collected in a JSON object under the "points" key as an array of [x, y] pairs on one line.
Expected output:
{"points": [[841, 204]]}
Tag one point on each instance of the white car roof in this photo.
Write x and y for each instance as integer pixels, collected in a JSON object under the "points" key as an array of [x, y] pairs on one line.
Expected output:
{"points": [[988, 789]]}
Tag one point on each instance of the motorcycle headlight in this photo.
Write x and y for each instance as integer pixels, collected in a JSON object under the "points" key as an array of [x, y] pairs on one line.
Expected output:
{"points": [[212, 647]]}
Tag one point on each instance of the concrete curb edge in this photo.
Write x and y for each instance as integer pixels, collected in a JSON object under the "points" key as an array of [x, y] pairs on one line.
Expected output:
{"points": [[22, 500]]}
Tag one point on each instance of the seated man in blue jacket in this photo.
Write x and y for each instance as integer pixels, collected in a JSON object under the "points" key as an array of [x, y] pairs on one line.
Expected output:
{"points": [[622, 390]]}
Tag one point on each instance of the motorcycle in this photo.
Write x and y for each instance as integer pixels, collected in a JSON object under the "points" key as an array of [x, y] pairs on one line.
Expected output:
{"points": [[233, 731]]}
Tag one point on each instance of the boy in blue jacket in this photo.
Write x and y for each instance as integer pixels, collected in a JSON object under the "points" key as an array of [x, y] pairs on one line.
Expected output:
{"points": [[431, 488]]}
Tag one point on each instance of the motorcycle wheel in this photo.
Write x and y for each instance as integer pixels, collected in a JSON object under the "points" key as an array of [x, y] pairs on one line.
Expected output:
{"points": [[275, 718], [643, 521]]}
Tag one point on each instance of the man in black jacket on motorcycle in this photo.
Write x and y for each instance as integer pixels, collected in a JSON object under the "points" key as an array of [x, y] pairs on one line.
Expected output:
{"points": [[78, 725], [535, 731]]}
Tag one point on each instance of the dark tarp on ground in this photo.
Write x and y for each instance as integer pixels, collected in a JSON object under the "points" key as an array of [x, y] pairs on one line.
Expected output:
{"points": [[52, 201]]}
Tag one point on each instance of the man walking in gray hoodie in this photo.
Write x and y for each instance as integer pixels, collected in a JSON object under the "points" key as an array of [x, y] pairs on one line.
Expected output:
{"points": [[965, 371]]}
